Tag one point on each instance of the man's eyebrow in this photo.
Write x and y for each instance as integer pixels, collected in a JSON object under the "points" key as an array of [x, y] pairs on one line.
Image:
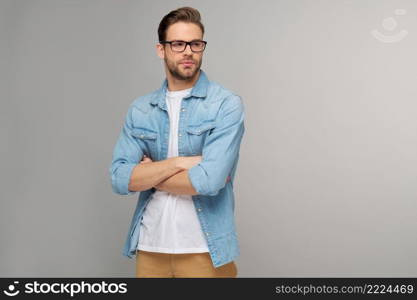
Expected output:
{"points": [[194, 40]]}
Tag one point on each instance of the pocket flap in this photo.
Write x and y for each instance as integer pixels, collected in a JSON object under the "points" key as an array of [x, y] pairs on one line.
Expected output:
{"points": [[199, 129], [144, 133]]}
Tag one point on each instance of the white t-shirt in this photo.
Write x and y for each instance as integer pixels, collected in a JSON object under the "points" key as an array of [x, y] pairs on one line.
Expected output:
{"points": [[170, 223]]}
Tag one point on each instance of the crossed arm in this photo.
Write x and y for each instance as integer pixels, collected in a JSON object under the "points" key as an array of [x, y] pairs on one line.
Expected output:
{"points": [[170, 175], [177, 184]]}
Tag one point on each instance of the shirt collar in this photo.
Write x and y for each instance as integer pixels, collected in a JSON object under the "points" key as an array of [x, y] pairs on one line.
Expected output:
{"points": [[199, 89]]}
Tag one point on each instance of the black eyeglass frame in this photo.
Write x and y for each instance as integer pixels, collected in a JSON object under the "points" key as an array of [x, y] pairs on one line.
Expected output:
{"points": [[186, 44]]}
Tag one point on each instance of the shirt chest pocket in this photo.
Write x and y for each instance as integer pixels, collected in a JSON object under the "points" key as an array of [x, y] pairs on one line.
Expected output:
{"points": [[148, 140], [197, 135]]}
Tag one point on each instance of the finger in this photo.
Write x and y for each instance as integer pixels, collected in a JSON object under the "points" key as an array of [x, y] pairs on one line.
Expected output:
{"points": [[146, 160]]}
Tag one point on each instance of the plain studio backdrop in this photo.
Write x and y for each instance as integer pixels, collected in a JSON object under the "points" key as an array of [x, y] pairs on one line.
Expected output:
{"points": [[327, 178]]}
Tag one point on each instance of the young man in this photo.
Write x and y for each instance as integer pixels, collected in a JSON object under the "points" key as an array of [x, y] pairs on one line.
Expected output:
{"points": [[179, 146]]}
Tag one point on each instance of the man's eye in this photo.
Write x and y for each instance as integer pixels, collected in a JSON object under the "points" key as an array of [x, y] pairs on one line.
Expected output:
{"points": [[198, 44], [178, 44]]}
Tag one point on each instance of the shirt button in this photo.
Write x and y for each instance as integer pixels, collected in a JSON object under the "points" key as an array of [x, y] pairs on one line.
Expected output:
{"points": [[183, 109], [199, 209], [180, 134], [142, 136], [207, 233]]}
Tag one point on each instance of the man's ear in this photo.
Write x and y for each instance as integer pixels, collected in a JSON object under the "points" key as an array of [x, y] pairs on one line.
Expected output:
{"points": [[160, 50]]}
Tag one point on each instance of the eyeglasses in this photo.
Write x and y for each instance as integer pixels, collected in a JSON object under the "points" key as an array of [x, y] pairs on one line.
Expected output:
{"points": [[179, 46]]}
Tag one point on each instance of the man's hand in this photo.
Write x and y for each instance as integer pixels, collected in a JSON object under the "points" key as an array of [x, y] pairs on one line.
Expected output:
{"points": [[146, 159]]}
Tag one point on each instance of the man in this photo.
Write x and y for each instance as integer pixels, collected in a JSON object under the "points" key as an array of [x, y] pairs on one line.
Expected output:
{"points": [[179, 146]]}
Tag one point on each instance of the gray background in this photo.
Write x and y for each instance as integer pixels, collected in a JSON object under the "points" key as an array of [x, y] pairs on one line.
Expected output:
{"points": [[327, 180]]}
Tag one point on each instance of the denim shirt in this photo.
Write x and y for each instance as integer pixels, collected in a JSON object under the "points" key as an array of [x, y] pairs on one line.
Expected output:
{"points": [[211, 124]]}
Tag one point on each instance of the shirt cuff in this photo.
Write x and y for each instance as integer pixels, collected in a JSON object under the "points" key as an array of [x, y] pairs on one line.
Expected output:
{"points": [[122, 178], [199, 180]]}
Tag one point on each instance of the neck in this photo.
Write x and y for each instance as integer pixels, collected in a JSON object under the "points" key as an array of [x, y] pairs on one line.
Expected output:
{"points": [[175, 84]]}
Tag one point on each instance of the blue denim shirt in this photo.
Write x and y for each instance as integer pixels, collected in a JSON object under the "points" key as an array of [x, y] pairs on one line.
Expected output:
{"points": [[211, 124]]}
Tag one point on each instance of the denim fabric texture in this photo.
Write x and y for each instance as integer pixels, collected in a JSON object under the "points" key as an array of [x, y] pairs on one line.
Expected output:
{"points": [[211, 124]]}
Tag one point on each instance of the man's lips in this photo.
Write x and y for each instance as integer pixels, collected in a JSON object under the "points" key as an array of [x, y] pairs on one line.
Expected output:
{"points": [[187, 63]]}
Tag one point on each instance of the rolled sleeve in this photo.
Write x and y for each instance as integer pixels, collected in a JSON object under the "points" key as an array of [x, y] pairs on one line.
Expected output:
{"points": [[127, 154], [198, 179], [121, 179], [220, 150]]}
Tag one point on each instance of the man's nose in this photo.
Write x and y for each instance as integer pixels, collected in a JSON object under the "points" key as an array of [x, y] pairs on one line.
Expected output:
{"points": [[188, 49]]}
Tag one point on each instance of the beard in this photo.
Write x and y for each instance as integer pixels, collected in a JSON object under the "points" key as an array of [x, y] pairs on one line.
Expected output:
{"points": [[182, 74]]}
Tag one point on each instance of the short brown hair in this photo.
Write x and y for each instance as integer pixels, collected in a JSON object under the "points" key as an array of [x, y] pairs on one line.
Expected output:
{"points": [[182, 14]]}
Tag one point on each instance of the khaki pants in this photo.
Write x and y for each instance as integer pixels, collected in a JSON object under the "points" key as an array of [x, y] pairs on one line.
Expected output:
{"points": [[155, 264]]}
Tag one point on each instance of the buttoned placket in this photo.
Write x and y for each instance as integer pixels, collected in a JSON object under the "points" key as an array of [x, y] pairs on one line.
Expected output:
{"points": [[186, 101]]}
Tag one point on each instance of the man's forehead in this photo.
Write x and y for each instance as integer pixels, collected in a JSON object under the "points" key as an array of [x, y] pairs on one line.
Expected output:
{"points": [[184, 31]]}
